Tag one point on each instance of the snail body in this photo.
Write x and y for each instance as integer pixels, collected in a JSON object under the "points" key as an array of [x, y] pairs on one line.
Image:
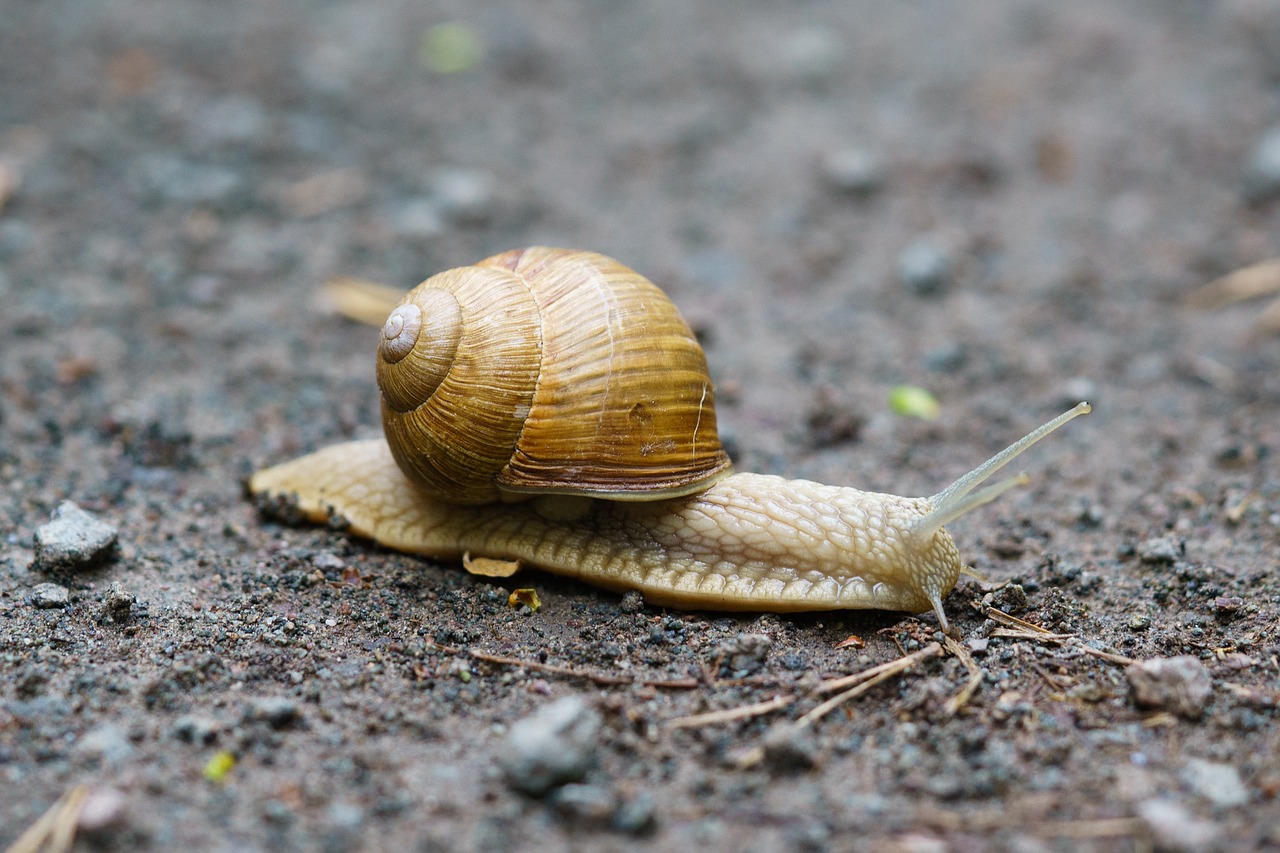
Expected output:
{"points": [[630, 507]]}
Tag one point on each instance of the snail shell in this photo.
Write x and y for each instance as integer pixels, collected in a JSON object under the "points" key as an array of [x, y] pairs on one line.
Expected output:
{"points": [[547, 371]]}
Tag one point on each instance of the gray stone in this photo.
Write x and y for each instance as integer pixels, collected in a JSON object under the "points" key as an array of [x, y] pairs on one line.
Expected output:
{"points": [[745, 653], [788, 748], [1161, 550], [636, 815], [853, 170], [924, 268], [1175, 830], [1180, 685], [72, 540], [1218, 783], [346, 817], [557, 744], [107, 744], [275, 711], [198, 730], [464, 196], [104, 810], [584, 805], [47, 596]]}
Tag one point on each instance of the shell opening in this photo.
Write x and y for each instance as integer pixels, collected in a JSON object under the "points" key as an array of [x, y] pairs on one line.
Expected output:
{"points": [[960, 497], [400, 332]]}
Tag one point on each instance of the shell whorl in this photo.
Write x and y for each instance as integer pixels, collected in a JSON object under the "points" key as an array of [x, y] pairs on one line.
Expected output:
{"points": [[547, 371]]}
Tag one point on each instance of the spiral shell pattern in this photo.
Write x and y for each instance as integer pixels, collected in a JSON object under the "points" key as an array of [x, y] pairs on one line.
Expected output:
{"points": [[546, 370]]}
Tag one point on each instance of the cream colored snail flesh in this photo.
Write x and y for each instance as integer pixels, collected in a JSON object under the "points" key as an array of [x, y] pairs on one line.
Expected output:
{"points": [[552, 407]]}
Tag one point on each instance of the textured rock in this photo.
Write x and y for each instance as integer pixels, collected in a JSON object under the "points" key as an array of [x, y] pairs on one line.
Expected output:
{"points": [[1180, 685], [47, 596], [73, 540], [1175, 830], [553, 746]]}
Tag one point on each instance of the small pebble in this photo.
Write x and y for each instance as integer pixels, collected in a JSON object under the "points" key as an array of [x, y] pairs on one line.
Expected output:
{"points": [[744, 654], [464, 196], [103, 810], [1176, 830], [118, 603], [346, 817], [1160, 550], [1262, 179], [1218, 783], [924, 268], [586, 805], [1227, 607], [636, 815], [328, 562], [198, 730], [632, 602], [947, 358], [1011, 598], [557, 744], [789, 748], [1179, 684], [275, 711], [73, 540], [47, 596], [853, 170], [107, 743]]}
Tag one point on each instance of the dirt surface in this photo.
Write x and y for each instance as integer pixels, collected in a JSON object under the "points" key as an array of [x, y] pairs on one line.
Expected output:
{"points": [[1003, 203]]}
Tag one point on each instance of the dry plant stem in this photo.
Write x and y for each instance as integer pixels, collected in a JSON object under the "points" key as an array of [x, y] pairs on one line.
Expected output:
{"points": [[1107, 656], [360, 300], [57, 826], [997, 615], [1262, 279], [976, 674], [1039, 636], [595, 677], [894, 668], [729, 715]]}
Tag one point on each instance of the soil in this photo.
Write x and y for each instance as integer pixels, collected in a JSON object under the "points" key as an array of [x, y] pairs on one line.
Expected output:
{"points": [[1003, 203]]}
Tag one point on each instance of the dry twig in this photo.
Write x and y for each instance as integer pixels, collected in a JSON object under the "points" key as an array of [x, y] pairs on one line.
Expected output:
{"points": [[886, 671], [729, 715], [958, 701], [363, 301], [1262, 279], [1106, 656], [997, 615], [571, 672], [55, 830]]}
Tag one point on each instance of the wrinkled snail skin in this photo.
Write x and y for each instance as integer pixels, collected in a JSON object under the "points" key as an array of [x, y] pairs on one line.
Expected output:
{"points": [[551, 406], [750, 542]]}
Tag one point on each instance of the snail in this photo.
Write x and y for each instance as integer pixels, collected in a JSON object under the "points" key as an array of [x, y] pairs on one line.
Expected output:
{"points": [[551, 407]]}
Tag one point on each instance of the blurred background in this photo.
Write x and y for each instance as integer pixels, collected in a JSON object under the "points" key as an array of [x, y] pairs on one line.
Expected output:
{"points": [[906, 232]]}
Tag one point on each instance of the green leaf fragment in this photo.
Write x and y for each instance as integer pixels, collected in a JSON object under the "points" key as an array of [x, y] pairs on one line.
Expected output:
{"points": [[913, 402]]}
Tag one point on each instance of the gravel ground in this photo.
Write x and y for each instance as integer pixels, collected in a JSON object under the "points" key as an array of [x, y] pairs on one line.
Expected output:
{"points": [[1004, 203]]}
